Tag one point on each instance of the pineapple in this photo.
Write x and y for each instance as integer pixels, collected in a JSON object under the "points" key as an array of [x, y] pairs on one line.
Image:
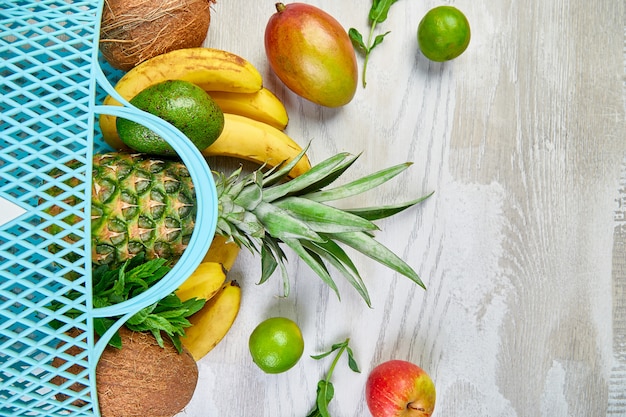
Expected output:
{"points": [[142, 204]]}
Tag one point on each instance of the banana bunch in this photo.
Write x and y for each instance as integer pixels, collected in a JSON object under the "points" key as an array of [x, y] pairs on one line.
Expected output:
{"points": [[255, 118], [209, 282]]}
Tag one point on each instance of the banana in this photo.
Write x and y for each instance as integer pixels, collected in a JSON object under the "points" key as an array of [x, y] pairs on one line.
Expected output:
{"points": [[262, 106], [212, 322], [255, 141], [211, 69], [222, 251], [204, 283]]}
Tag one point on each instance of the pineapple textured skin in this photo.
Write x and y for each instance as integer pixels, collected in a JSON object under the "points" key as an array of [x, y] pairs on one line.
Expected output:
{"points": [[140, 204]]}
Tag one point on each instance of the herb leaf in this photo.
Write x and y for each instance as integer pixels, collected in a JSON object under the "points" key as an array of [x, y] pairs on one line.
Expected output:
{"points": [[325, 388], [378, 13], [112, 286], [168, 315], [379, 39], [380, 9], [357, 40], [351, 361]]}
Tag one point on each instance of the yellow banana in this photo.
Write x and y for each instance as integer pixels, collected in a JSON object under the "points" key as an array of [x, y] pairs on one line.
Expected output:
{"points": [[212, 322], [204, 283], [222, 251], [262, 106], [211, 69], [255, 141]]}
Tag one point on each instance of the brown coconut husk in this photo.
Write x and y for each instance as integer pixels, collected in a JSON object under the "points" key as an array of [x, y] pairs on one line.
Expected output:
{"points": [[75, 369], [140, 380], [144, 380], [133, 31]]}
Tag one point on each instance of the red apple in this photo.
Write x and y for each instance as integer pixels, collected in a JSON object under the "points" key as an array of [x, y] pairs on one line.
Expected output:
{"points": [[399, 388]]}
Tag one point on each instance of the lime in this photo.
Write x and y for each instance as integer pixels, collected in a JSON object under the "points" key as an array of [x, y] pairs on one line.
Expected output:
{"points": [[443, 33], [181, 103], [276, 345]]}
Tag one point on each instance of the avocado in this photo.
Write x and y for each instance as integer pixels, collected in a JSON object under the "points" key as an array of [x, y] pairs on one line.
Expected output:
{"points": [[181, 103]]}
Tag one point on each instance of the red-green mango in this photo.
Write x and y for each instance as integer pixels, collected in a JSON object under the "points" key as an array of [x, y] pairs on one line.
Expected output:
{"points": [[312, 54]]}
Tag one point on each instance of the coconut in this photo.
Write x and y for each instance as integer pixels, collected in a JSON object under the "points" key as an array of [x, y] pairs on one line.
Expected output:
{"points": [[142, 379], [133, 31]]}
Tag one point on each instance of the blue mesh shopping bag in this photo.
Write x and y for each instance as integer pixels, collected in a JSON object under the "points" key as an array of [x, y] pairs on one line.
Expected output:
{"points": [[51, 81]]}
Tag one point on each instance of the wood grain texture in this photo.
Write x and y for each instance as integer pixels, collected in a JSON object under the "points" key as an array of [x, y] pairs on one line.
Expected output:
{"points": [[522, 247]]}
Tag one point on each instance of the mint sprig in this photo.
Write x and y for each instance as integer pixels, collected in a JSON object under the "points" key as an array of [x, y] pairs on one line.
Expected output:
{"points": [[377, 14], [112, 286], [325, 388], [168, 316]]}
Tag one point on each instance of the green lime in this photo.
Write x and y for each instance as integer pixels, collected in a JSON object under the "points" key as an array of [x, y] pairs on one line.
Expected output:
{"points": [[443, 33], [276, 345], [185, 105]]}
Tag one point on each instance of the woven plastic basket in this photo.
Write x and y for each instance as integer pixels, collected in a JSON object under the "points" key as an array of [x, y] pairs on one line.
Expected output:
{"points": [[51, 81]]}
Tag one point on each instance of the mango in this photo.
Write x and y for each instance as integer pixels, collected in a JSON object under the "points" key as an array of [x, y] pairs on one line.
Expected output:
{"points": [[311, 53]]}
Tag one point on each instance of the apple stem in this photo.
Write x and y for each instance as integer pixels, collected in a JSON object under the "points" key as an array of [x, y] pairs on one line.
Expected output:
{"points": [[414, 406], [280, 7]]}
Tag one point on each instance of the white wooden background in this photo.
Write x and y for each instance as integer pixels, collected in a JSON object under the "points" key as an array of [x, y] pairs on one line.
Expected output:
{"points": [[522, 247]]}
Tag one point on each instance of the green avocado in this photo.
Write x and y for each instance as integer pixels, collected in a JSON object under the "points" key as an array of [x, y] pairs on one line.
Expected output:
{"points": [[181, 103]]}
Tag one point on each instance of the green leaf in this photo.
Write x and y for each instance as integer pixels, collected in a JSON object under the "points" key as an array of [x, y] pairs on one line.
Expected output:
{"points": [[154, 323], [325, 393], [380, 9], [285, 276], [178, 345], [379, 39], [140, 316], [332, 349], [249, 225], [358, 186], [268, 264], [157, 335], [193, 305], [351, 361], [337, 172], [111, 286], [148, 273], [314, 262], [173, 314], [272, 256], [357, 39], [101, 325], [119, 285], [323, 218], [338, 258], [282, 226], [170, 301], [100, 283], [250, 197], [377, 251], [381, 212], [99, 302], [340, 345], [322, 355], [317, 177]]}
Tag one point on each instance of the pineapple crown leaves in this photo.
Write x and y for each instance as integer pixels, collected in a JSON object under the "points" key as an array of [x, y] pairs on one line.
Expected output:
{"points": [[261, 211]]}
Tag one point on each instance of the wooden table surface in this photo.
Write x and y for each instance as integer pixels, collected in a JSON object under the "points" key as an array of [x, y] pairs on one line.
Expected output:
{"points": [[522, 247]]}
